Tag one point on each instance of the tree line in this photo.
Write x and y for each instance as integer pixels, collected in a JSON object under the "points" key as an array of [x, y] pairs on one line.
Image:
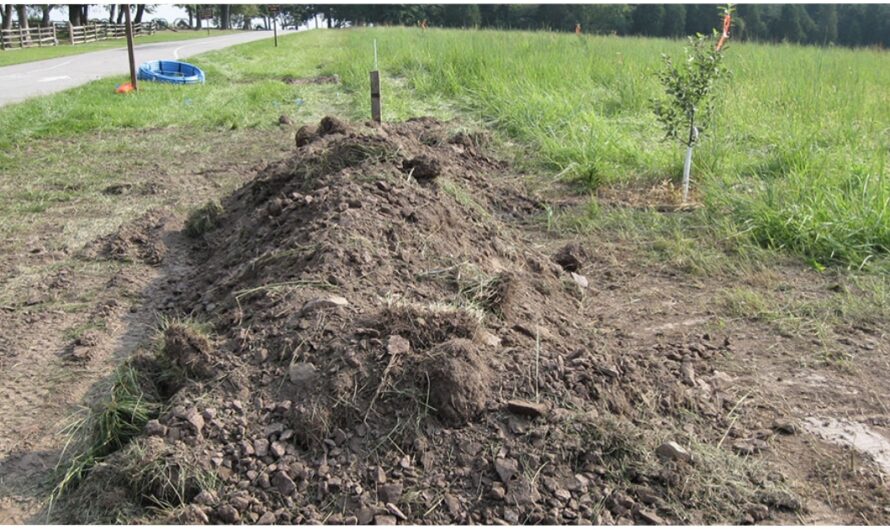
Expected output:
{"points": [[820, 24]]}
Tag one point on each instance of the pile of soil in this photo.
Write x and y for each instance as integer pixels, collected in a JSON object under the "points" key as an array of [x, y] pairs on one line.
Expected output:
{"points": [[386, 345]]}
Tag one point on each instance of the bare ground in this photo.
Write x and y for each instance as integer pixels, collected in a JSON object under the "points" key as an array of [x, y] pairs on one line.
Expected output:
{"points": [[69, 317]]}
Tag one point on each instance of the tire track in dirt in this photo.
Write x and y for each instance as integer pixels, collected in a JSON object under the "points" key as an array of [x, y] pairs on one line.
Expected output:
{"points": [[43, 390]]}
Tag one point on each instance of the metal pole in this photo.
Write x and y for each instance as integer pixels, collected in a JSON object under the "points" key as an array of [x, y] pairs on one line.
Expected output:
{"points": [[130, 47], [275, 28]]}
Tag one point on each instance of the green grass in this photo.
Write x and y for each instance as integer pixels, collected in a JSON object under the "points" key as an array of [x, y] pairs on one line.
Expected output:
{"points": [[795, 161], [27, 55]]}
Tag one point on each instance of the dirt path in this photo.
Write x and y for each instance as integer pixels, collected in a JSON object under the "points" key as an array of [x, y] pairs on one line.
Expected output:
{"points": [[54, 374]]}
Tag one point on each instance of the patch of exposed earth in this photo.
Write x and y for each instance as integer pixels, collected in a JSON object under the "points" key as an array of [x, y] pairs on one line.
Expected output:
{"points": [[386, 344]]}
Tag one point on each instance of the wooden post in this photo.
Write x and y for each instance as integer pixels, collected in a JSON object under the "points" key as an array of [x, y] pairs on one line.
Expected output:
{"points": [[2, 40], [275, 29], [71, 32], [130, 47], [22, 36], [55, 37], [375, 96]]}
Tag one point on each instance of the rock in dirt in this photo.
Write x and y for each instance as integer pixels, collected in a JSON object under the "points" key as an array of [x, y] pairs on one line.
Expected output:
{"points": [[422, 167], [673, 451], [305, 135], [397, 345], [323, 303], [390, 492], [393, 509], [785, 426], [283, 483], [580, 279], [506, 468], [527, 408], [385, 520], [228, 514], [284, 120], [303, 375]]}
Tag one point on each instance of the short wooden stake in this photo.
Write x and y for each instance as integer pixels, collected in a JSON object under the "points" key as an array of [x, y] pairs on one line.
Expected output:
{"points": [[375, 96]]}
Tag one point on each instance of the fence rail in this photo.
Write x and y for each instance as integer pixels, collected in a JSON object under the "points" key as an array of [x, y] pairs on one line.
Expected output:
{"points": [[27, 37], [49, 36]]}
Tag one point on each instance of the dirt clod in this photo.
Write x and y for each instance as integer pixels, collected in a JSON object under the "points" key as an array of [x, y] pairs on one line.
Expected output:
{"points": [[527, 408], [422, 167]]}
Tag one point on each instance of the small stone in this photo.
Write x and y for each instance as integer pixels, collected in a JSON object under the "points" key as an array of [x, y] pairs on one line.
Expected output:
{"points": [[785, 426], [228, 514], [497, 491], [284, 120], [393, 509], [580, 279], [240, 502], [302, 374], [758, 512], [267, 518], [155, 428], [195, 419], [687, 374], [323, 303], [278, 449], [673, 451], [379, 475], [283, 483], [397, 345], [261, 447], [527, 408], [205, 498], [563, 495], [385, 520], [506, 468], [390, 492], [364, 515], [453, 504]]}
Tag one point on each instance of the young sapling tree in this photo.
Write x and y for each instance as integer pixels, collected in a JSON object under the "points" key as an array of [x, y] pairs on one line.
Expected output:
{"points": [[689, 87]]}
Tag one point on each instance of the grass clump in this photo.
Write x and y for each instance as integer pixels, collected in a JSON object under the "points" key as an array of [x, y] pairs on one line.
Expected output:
{"points": [[203, 219], [106, 428]]}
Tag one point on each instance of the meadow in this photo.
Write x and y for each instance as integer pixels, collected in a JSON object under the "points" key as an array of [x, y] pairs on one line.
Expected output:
{"points": [[796, 159]]}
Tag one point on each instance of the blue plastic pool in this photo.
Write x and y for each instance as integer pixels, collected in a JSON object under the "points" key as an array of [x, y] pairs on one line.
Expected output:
{"points": [[175, 72]]}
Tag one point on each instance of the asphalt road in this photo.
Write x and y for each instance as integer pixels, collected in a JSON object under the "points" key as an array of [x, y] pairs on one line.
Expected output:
{"points": [[22, 81]]}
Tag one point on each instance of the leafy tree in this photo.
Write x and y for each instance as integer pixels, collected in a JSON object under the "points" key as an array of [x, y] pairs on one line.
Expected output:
{"points": [[826, 24], [648, 19], [674, 20], [461, 15], [686, 108], [788, 27]]}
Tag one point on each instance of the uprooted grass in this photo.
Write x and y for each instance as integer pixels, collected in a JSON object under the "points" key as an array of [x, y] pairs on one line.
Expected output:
{"points": [[139, 390], [133, 400], [203, 219], [717, 486]]}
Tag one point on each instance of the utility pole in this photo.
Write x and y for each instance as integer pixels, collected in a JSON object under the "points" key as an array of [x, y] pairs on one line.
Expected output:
{"points": [[126, 7]]}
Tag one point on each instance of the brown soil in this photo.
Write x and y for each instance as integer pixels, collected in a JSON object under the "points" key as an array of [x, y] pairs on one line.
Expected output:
{"points": [[388, 344]]}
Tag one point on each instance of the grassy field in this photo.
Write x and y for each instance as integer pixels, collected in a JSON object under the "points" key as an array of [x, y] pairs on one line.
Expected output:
{"points": [[796, 159], [27, 55]]}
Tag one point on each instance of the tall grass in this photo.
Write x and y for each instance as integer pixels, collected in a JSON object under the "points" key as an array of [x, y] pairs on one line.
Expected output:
{"points": [[796, 159]]}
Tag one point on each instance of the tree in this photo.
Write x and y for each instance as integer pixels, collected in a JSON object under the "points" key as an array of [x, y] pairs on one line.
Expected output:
{"points": [[648, 19], [140, 10], [112, 9], [788, 26], [674, 20], [685, 109], [7, 16], [826, 24], [225, 16], [46, 9], [755, 28], [461, 15], [22, 11]]}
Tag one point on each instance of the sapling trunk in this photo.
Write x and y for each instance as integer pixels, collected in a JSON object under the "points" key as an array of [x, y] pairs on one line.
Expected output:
{"points": [[687, 165]]}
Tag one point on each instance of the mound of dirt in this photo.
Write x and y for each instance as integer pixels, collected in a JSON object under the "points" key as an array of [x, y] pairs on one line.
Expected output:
{"points": [[388, 347]]}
